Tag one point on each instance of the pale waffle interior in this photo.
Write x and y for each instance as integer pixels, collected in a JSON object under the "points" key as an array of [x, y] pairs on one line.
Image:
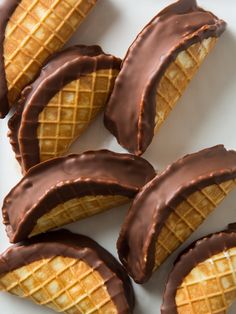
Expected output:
{"points": [[210, 287], [37, 29], [71, 110], [177, 77], [186, 217], [77, 209], [63, 284]]}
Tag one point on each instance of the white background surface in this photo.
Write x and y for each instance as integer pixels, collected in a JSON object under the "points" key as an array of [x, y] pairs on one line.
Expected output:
{"points": [[205, 116]]}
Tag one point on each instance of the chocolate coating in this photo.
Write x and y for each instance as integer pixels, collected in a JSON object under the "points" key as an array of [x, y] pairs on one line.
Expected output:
{"points": [[197, 253], [61, 179], [131, 111], [66, 244], [7, 7], [155, 202], [61, 69]]}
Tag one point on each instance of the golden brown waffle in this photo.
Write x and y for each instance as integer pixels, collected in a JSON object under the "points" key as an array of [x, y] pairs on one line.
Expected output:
{"points": [[210, 287], [71, 110], [187, 217], [172, 206], [185, 37], [68, 273], [177, 77], [63, 284], [77, 209], [36, 30], [62, 190]]}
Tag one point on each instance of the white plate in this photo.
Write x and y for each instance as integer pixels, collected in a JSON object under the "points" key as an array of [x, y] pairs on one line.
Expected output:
{"points": [[205, 116]]}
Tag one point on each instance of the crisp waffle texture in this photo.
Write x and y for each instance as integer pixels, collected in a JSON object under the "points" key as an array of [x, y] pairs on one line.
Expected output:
{"points": [[36, 30], [63, 284], [185, 218], [76, 209], [210, 288], [177, 77], [71, 110]]}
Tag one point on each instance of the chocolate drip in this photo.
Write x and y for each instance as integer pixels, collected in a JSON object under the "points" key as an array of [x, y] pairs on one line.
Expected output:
{"points": [[131, 111], [7, 7], [63, 68], [66, 244], [197, 253], [58, 180], [155, 202]]}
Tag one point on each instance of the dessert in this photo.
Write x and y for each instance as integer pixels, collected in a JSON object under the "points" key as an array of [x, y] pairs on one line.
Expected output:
{"points": [[71, 89], [156, 70], [203, 278], [66, 189], [168, 209], [30, 31], [68, 273]]}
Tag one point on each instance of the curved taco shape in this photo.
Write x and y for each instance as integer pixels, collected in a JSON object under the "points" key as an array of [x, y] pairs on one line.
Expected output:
{"points": [[167, 53], [172, 206], [71, 89], [66, 189], [68, 273], [203, 277], [29, 33]]}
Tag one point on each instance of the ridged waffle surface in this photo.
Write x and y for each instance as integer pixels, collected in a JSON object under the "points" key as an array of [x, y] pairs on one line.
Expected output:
{"points": [[71, 111], [76, 209], [210, 287], [185, 218], [177, 77], [63, 284], [37, 29]]}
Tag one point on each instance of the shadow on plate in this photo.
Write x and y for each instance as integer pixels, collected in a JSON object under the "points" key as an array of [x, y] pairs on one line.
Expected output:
{"points": [[98, 22]]}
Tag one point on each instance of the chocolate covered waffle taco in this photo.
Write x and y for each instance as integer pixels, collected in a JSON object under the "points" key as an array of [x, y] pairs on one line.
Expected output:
{"points": [[66, 189], [69, 92], [68, 273], [203, 279], [156, 70], [171, 207], [30, 31]]}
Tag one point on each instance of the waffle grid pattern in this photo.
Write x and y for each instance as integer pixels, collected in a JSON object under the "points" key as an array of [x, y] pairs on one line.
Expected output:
{"points": [[77, 209], [178, 76], [63, 284], [37, 29], [71, 110], [210, 288], [187, 217]]}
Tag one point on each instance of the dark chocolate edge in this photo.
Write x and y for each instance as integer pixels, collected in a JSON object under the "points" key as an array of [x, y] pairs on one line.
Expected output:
{"points": [[7, 9], [15, 121], [25, 225], [27, 149], [196, 253], [63, 241], [149, 247], [202, 34], [149, 123]]}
